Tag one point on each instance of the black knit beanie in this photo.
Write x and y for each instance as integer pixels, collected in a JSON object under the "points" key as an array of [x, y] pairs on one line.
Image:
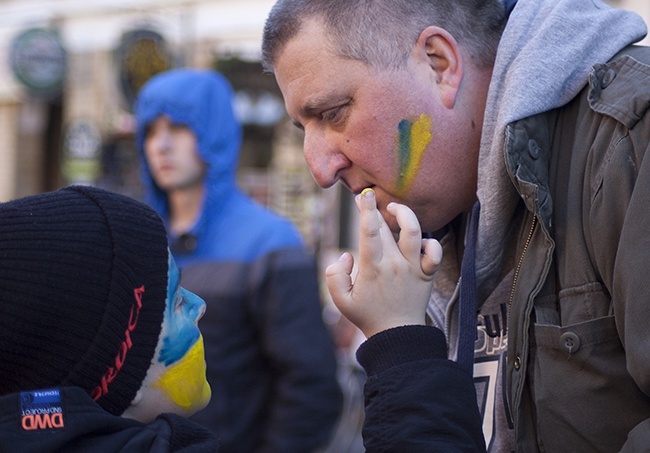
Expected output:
{"points": [[83, 285]]}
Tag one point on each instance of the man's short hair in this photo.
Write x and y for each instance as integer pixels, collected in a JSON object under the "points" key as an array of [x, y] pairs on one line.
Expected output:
{"points": [[381, 33]]}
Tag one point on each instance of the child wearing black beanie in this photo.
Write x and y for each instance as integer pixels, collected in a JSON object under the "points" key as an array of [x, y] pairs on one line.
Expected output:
{"points": [[84, 298]]}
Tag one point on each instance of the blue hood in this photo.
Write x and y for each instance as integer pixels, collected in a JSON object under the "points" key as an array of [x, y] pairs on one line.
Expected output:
{"points": [[201, 100], [231, 226]]}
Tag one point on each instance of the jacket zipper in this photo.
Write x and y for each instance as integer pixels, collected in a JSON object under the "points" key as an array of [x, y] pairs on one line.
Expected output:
{"points": [[521, 260]]}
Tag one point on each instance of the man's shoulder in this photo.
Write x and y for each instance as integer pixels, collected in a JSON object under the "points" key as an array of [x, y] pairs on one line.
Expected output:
{"points": [[620, 88], [636, 51], [253, 214]]}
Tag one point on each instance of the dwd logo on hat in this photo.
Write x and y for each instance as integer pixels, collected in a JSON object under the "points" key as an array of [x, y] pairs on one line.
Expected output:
{"points": [[41, 409], [125, 346]]}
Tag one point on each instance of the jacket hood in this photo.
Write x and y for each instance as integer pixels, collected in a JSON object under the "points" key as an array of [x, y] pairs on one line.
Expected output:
{"points": [[201, 100], [543, 61]]}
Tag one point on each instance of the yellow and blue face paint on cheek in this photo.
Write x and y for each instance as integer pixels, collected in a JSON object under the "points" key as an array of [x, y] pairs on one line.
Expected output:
{"points": [[184, 381], [412, 140], [182, 351]]}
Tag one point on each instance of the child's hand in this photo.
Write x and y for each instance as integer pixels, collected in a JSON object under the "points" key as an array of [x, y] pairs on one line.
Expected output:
{"points": [[393, 284]]}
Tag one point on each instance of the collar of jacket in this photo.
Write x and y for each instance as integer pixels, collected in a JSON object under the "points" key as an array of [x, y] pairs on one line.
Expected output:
{"points": [[614, 90], [527, 150]]}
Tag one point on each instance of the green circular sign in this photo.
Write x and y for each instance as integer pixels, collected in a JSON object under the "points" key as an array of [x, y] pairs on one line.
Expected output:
{"points": [[39, 61]]}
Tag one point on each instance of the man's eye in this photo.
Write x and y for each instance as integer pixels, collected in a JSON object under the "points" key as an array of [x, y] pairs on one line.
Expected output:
{"points": [[331, 114]]}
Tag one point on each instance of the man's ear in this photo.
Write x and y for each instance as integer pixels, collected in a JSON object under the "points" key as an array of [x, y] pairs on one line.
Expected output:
{"points": [[443, 56]]}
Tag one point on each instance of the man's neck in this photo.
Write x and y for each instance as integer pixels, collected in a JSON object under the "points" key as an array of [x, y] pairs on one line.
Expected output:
{"points": [[184, 208]]}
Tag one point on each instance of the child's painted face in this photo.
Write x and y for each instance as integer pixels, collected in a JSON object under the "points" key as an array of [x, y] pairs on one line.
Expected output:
{"points": [[176, 380], [182, 348]]}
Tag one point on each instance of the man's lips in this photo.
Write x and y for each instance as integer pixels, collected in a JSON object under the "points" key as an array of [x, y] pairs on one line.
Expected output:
{"points": [[357, 190]]}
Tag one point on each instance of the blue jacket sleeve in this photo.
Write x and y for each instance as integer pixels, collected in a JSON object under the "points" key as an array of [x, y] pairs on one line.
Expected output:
{"points": [[415, 398]]}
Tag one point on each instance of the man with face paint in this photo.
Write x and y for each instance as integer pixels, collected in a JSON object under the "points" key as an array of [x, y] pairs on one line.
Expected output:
{"points": [[99, 345], [514, 133]]}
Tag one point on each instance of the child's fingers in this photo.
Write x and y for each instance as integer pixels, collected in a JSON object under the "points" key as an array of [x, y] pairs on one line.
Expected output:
{"points": [[370, 243], [410, 235], [431, 257], [339, 280]]}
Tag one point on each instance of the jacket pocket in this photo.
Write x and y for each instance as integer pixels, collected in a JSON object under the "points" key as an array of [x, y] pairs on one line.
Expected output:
{"points": [[583, 397]]}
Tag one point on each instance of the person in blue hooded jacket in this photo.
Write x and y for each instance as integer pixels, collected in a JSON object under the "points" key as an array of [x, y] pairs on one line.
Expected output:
{"points": [[270, 359]]}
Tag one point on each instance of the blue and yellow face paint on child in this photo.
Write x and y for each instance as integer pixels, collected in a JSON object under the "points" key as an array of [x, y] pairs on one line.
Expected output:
{"points": [[182, 349]]}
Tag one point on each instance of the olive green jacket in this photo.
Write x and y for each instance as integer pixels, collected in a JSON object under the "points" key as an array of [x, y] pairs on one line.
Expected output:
{"points": [[578, 368]]}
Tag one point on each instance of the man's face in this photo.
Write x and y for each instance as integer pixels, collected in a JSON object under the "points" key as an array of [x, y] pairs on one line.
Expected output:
{"points": [[385, 129], [171, 153]]}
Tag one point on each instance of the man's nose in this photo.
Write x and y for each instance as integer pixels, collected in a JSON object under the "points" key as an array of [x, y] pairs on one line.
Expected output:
{"points": [[161, 141], [325, 159]]}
